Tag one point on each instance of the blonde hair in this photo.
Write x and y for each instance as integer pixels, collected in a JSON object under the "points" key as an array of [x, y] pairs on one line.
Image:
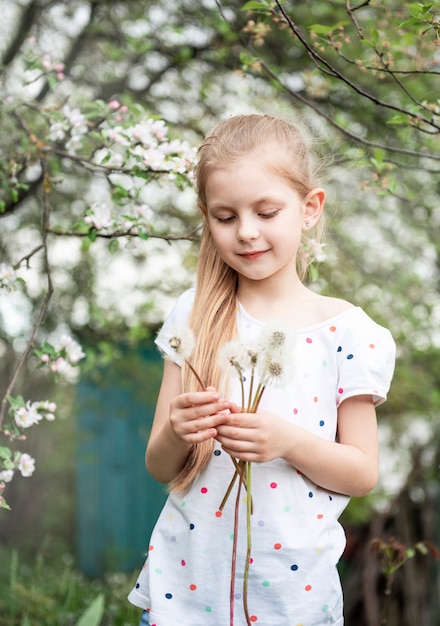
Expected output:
{"points": [[213, 316]]}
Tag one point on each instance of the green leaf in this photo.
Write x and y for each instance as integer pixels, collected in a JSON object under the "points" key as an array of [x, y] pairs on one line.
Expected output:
{"points": [[113, 246], [5, 453], [398, 119], [93, 615], [4, 504], [324, 29], [254, 5]]}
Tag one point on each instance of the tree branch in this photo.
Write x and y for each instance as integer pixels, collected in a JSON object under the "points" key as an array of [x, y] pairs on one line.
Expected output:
{"points": [[45, 304], [326, 68]]}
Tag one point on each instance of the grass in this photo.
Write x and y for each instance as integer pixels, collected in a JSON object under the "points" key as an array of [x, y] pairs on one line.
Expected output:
{"points": [[50, 592]]}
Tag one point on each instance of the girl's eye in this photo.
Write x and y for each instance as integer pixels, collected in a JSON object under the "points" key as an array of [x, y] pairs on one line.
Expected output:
{"points": [[269, 214], [226, 220]]}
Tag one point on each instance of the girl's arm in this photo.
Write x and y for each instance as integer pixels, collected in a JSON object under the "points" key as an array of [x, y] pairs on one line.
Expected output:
{"points": [[180, 421], [348, 466]]}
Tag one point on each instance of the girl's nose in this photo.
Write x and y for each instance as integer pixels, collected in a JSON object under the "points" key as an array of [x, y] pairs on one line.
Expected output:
{"points": [[247, 230]]}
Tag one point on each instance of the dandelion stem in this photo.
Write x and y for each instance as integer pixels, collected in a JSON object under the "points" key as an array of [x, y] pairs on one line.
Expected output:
{"points": [[199, 380], [249, 543], [228, 491], [234, 553], [258, 396], [251, 390]]}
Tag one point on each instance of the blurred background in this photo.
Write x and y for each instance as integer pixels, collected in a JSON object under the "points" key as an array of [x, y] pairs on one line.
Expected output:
{"points": [[98, 237]]}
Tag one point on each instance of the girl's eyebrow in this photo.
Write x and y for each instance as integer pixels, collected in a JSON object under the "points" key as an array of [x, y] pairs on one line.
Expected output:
{"points": [[256, 204]]}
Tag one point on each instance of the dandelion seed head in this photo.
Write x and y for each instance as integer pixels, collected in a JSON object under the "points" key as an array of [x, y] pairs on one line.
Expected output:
{"points": [[233, 355], [182, 342]]}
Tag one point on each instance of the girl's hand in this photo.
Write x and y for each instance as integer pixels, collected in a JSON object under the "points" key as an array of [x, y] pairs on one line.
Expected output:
{"points": [[195, 416], [259, 437]]}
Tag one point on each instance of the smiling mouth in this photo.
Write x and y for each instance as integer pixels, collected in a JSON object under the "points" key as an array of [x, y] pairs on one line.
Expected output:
{"points": [[252, 256]]}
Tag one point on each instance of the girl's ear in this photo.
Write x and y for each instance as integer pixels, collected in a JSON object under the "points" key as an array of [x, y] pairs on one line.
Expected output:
{"points": [[313, 207]]}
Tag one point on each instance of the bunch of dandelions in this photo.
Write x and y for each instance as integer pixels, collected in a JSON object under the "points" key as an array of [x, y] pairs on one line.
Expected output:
{"points": [[268, 363]]}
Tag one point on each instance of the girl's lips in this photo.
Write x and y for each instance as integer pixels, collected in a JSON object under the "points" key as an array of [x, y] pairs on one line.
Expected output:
{"points": [[253, 255]]}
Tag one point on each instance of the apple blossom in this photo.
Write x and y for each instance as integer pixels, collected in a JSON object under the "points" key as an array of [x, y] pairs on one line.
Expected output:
{"points": [[27, 416], [6, 475], [26, 465]]}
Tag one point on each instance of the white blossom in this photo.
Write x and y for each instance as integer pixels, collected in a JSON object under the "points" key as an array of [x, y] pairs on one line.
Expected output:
{"points": [[100, 216], [8, 277], [26, 465], [74, 351], [27, 416], [60, 366], [57, 131], [6, 476]]}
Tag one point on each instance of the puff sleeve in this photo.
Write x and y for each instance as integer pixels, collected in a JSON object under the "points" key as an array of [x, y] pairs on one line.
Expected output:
{"points": [[366, 359], [177, 320]]}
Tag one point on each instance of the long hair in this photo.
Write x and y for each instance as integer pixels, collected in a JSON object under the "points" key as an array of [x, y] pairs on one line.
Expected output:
{"points": [[213, 316]]}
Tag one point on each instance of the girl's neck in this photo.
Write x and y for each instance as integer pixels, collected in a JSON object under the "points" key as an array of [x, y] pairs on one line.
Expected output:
{"points": [[265, 300]]}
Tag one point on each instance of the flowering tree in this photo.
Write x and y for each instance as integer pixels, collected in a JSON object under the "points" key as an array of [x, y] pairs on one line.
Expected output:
{"points": [[101, 105]]}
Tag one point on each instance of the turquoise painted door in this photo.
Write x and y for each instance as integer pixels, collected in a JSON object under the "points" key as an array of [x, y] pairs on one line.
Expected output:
{"points": [[117, 502]]}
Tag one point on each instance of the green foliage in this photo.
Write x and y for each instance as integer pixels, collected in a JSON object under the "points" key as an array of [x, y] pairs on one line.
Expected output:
{"points": [[93, 615], [50, 592]]}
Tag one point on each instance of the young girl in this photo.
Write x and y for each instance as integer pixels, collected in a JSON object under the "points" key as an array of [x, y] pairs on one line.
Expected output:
{"points": [[313, 442]]}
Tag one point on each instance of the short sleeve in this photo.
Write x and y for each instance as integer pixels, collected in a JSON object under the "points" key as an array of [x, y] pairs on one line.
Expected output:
{"points": [[177, 319], [366, 362]]}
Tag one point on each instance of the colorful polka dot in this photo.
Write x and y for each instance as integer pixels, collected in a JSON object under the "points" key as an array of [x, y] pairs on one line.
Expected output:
{"points": [[332, 329], [204, 490], [321, 422], [339, 349], [208, 609], [253, 618], [150, 548], [294, 567], [191, 526], [273, 485], [183, 563], [260, 522], [340, 390], [265, 583], [349, 356], [287, 508], [277, 546], [218, 513], [310, 494], [325, 608], [320, 516], [295, 411], [371, 346], [217, 452], [158, 570], [324, 363], [173, 538], [309, 340], [308, 588], [315, 399], [168, 596], [193, 587]]}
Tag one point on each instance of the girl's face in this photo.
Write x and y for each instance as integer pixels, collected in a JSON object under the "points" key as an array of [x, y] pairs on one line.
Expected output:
{"points": [[256, 219]]}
